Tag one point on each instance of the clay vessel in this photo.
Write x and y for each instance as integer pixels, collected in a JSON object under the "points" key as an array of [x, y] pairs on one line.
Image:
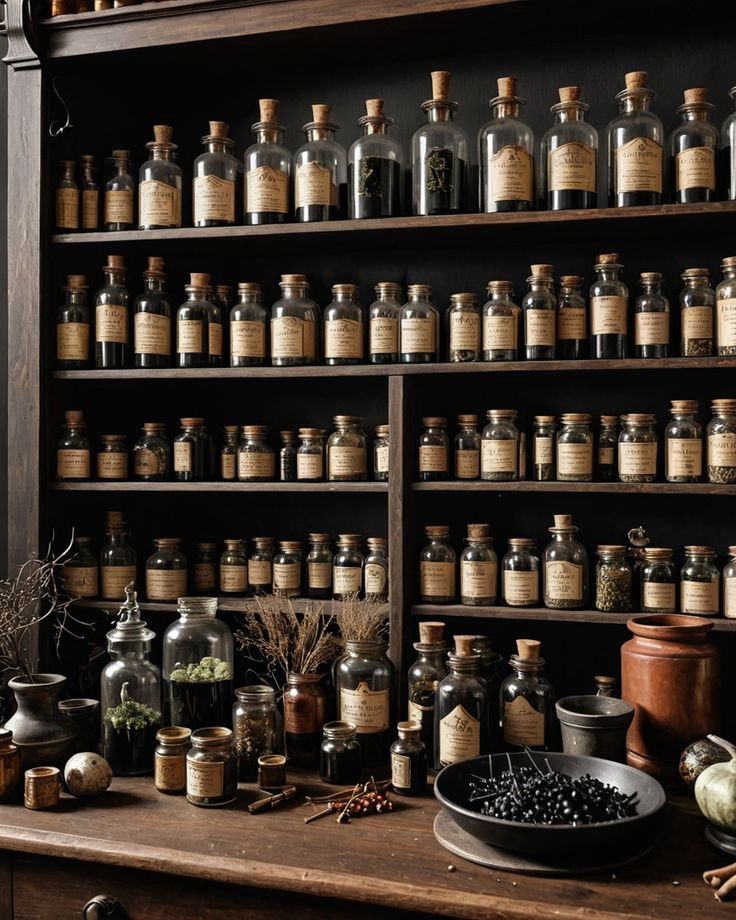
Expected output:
{"points": [[44, 736]]}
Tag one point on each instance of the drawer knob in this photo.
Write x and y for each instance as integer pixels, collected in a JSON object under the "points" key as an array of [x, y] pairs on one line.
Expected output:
{"points": [[103, 907]]}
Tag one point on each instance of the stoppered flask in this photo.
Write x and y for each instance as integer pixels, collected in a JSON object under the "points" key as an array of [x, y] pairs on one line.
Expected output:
{"points": [[119, 188], [193, 324], [364, 679], [166, 571], [347, 454], [383, 324], [234, 569], [287, 456], [607, 448], [574, 454], [90, 193], [287, 569], [637, 448], [506, 154], [478, 568], [434, 450], [256, 457], [267, 169], [214, 175], [320, 170], [658, 584], [693, 146], [111, 317], [700, 582], [683, 439], [80, 574], [463, 328], [72, 326], [190, 463], [572, 319], [461, 721], [424, 677], [567, 165], [152, 319], [543, 448], [419, 327], [112, 457], [698, 304], [72, 449], [117, 558], [651, 318], [310, 455], [565, 567], [609, 308], [635, 139], [437, 564], [344, 327], [159, 188], [260, 565], [539, 308], [527, 700], [67, 197], [500, 447], [728, 150], [249, 321], [294, 320], [374, 167], [500, 323]]}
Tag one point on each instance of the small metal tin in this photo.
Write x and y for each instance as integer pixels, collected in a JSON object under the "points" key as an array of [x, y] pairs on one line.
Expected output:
{"points": [[42, 787]]}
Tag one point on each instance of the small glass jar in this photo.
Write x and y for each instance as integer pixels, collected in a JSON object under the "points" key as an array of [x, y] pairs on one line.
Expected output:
{"points": [[170, 760], [206, 577], [500, 323], [478, 568], [383, 324], [256, 457], [188, 459], [697, 302], [319, 567], [117, 559], [294, 319], [520, 577], [260, 566], [565, 567], [543, 448], [575, 448], [607, 448], [683, 438], [166, 571], [287, 457], [729, 585], [609, 308], [72, 449], [726, 309], [419, 327], [229, 453], [437, 564], [612, 580], [256, 727], [506, 149], [344, 327], [347, 567], [721, 442], [305, 712], [212, 768], [381, 453], [80, 574], [234, 569], [347, 459], [249, 323], [310, 455], [287, 569], [467, 448], [658, 581], [539, 306], [152, 454], [375, 570], [572, 319], [700, 582], [462, 728], [320, 171], [499, 453], [118, 200], [363, 681], [434, 450], [463, 328], [214, 174], [409, 760], [339, 759], [637, 448], [193, 324], [152, 319], [651, 318], [112, 457]]}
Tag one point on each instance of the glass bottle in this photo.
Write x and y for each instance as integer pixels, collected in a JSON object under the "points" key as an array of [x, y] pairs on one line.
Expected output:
{"points": [[728, 150], [192, 324], [439, 154], [170, 760], [214, 356], [520, 578], [462, 727], [118, 204], [463, 328], [112, 457], [347, 567], [437, 564], [607, 448], [188, 460], [612, 580], [539, 306], [565, 566], [256, 727], [267, 169], [347, 459], [721, 442], [197, 666], [249, 321], [344, 325], [364, 685], [287, 456], [206, 575], [375, 570], [383, 324], [339, 759], [409, 761], [111, 317], [527, 700], [499, 452], [90, 193], [117, 559], [693, 146], [658, 581], [152, 319], [543, 448], [419, 327], [80, 574], [572, 319], [320, 171], [574, 452], [319, 566], [72, 326], [729, 585], [381, 453], [569, 153], [260, 565], [683, 438], [152, 454], [698, 302], [506, 154], [467, 448], [651, 318], [213, 179], [67, 197], [234, 569], [166, 571], [72, 448], [478, 568], [500, 323], [609, 307], [726, 309], [159, 186], [310, 455], [229, 453], [305, 713], [287, 569], [635, 139], [637, 448], [374, 167], [424, 677], [294, 320], [700, 582], [434, 450], [212, 768], [130, 693]]}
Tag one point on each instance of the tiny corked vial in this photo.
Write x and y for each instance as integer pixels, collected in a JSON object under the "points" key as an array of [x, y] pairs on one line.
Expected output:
{"points": [[310, 455], [437, 567], [574, 448], [419, 327], [463, 328], [212, 768], [260, 565], [287, 569], [112, 457], [697, 303], [609, 307], [409, 760], [256, 457], [527, 700], [160, 180], [726, 309], [539, 306], [193, 324], [234, 569], [67, 197], [612, 580], [499, 451], [478, 568], [152, 454], [729, 585], [166, 571], [637, 448], [339, 759], [73, 448], [170, 760], [344, 327], [467, 448], [683, 440], [520, 573], [693, 149], [206, 571], [721, 442], [700, 582], [383, 323], [347, 454], [347, 567], [249, 322], [651, 318], [214, 175], [434, 450], [319, 566], [572, 319], [381, 443], [658, 581], [294, 320], [287, 456], [565, 567], [500, 315], [543, 448], [375, 570], [607, 448], [118, 204], [267, 169], [374, 167], [73, 326]]}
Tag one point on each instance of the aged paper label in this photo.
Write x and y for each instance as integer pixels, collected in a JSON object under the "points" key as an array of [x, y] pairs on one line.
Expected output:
{"points": [[119, 207], [605, 456], [400, 771], [67, 208], [145, 462], [464, 332], [652, 328], [287, 576], [563, 581], [159, 204], [288, 337], [375, 578], [722, 450], [228, 466], [189, 336], [726, 325], [214, 339], [697, 323], [459, 736], [205, 780], [432, 459], [313, 185], [729, 597], [72, 464], [572, 324], [309, 466], [112, 465], [418, 335], [500, 332], [520, 588], [684, 457], [381, 459], [498, 456], [522, 724], [205, 576], [437, 579], [478, 579], [658, 596], [259, 572], [233, 579], [90, 208], [347, 461], [169, 772], [695, 168], [114, 579], [151, 334], [214, 199], [543, 451], [346, 579], [384, 335], [575, 460], [638, 166], [80, 580], [256, 465], [539, 327], [111, 323], [72, 341], [182, 457], [166, 584], [571, 166], [247, 339], [343, 338], [608, 315], [467, 464], [367, 708], [699, 597], [320, 574], [637, 459], [510, 174], [267, 190]]}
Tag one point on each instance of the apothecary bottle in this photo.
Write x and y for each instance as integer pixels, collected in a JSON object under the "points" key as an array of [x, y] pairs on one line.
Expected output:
{"points": [[152, 454], [381, 445], [698, 303], [339, 759], [267, 169], [294, 320], [543, 448], [256, 727], [364, 686], [344, 326], [73, 449], [651, 318], [214, 356], [506, 154], [213, 179], [499, 451], [229, 453], [527, 700], [320, 170], [249, 321], [728, 150], [67, 197], [607, 448], [569, 153], [319, 566], [609, 305], [256, 458], [424, 676], [419, 327], [572, 319], [478, 568], [287, 569], [729, 585], [188, 459], [305, 713], [463, 328], [80, 574], [206, 570], [612, 580], [234, 569], [700, 582], [193, 324], [111, 317], [434, 450], [375, 570], [166, 571], [721, 442], [212, 768], [119, 187], [112, 457], [170, 760], [635, 140], [637, 448], [347, 567], [683, 439], [260, 565], [500, 323], [574, 452], [693, 146], [152, 319], [310, 455], [439, 154], [539, 308], [383, 324], [726, 309], [374, 167], [347, 459], [90, 193], [520, 573], [658, 588], [287, 456], [72, 326], [462, 727], [467, 448], [117, 558], [159, 188], [565, 567], [437, 565]]}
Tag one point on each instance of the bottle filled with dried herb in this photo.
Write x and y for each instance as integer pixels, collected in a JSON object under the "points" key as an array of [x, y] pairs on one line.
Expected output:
{"points": [[381, 444], [374, 167], [152, 454], [478, 568], [383, 324], [572, 319], [234, 569], [214, 175], [344, 326], [437, 567], [609, 309], [520, 578], [434, 450], [160, 181], [574, 453], [565, 567], [463, 328], [152, 319], [73, 455], [294, 319], [409, 760], [539, 307], [567, 164], [635, 147], [612, 580], [697, 302], [499, 454], [467, 448], [249, 322], [193, 324], [260, 566], [347, 456], [347, 567], [726, 309], [310, 455], [683, 438], [607, 448], [364, 679], [658, 581], [700, 582], [320, 171], [287, 569], [419, 327], [500, 323], [721, 442], [267, 169], [637, 448], [375, 570], [543, 448]]}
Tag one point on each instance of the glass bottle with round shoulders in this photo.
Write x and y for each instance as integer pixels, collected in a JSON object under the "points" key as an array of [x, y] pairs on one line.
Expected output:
{"points": [[256, 457], [609, 307], [339, 760], [721, 442], [347, 567], [437, 567], [344, 327], [499, 451], [214, 176], [310, 455], [500, 323], [569, 154], [698, 303], [287, 569], [635, 147], [206, 570], [651, 318], [539, 307], [462, 727], [112, 303], [543, 448], [607, 448], [434, 450], [572, 319], [160, 181], [152, 319], [637, 448], [152, 454], [409, 760], [374, 167], [683, 443], [527, 700], [506, 154], [693, 150], [478, 568], [256, 727], [117, 558], [424, 677], [419, 327], [73, 455], [319, 566], [463, 328], [294, 319], [700, 582], [249, 322], [80, 573], [67, 197], [381, 445], [574, 452], [192, 324], [260, 566], [726, 309], [212, 767], [234, 569], [520, 573], [383, 324], [467, 448], [729, 585], [565, 567], [112, 457], [188, 459], [166, 570], [613, 579], [267, 169], [347, 455], [727, 172], [119, 192], [375, 570], [170, 760], [73, 326], [320, 171], [658, 589], [364, 683], [89, 193], [229, 453]]}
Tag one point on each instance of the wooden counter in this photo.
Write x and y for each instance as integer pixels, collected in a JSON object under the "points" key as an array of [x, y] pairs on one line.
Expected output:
{"points": [[226, 863]]}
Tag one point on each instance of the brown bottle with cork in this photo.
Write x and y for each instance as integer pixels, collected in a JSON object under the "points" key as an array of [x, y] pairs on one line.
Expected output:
{"points": [[159, 191], [111, 317], [527, 701], [693, 146], [423, 679], [67, 197], [72, 326], [213, 182], [461, 721], [152, 319], [90, 193], [192, 324], [267, 169], [72, 449]]}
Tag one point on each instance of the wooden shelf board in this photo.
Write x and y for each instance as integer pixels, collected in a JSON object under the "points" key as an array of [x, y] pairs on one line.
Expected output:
{"points": [[228, 604], [270, 487], [614, 488]]}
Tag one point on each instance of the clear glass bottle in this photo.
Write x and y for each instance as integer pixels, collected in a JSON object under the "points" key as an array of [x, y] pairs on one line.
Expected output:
{"points": [[462, 728], [287, 456], [683, 438], [381, 453], [506, 154], [287, 569], [565, 566], [698, 303], [364, 686], [572, 319], [206, 571], [383, 324], [569, 154], [651, 318], [693, 146], [409, 760], [72, 326], [637, 448], [463, 328], [574, 452], [294, 319], [499, 451], [612, 580], [543, 448], [111, 317], [305, 713], [434, 450], [339, 757], [721, 442], [188, 460], [520, 578], [374, 167], [117, 559], [119, 189], [500, 323], [635, 140], [527, 700], [213, 179], [67, 197], [700, 582], [437, 567], [729, 585], [467, 448], [419, 327], [166, 571], [310, 455], [73, 457], [726, 309], [728, 150], [80, 574], [192, 324], [249, 321], [347, 455], [260, 566], [229, 453], [607, 449], [267, 169], [375, 570], [212, 768], [320, 171], [112, 457], [256, 458], [658, 581], [424, 677], [439, 154], [256, 727], [159, 186], [478, 568], [152, 319], [319, 566], [347, 567], [170, 760], [344, 327], [609, 308], [152, 454], [539, 306], [90, 193]]}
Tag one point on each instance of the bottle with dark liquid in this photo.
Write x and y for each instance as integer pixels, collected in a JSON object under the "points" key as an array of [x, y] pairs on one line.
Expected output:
{"points": [[527, 700], [111, 317], [364, 679], [635, 138], [72, 449], [152, 319], [72, 326], [118, 204], [216, 328], [506, 154], [90, 193], [67, 198], [539, 306], [117, 558], [214, 175], [305, 712], [267, 169], [609, 309], [461, 724], [320, 170], [192, 324], [567, 165], [572, 319], [159, 190], [424, 678], [651, 318], [693, 146], [374, 167]]}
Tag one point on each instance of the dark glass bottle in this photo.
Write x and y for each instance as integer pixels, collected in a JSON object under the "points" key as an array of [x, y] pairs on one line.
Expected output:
{"points": [[383, 324], [434, 450], [409, 761], [506, 154], [319, 567], [152, 319], [651, 318], [111, 317], [207, 453], [90, 193], [527, 701], [67, 198], [117, 558], [188, 454], [609, 309], [374, 167], [73, 459], [339, 761], [419, 327], [206, 574], [214, 174], [693, 146], [248, 324], [159, 189], [118, 204], [229, 453], [607, 449], [152, 454], [539, 306], [347, 567], [567, 164], [80, 575], [260, 565], [635, 139], [572, 319], [192, 324], [461, 723], [320, 171], [305, 712], [375, 570], [423, 679], [215, 328], [234, 569], [287, 456], [72, 326], [267, 169], [364, 684]]}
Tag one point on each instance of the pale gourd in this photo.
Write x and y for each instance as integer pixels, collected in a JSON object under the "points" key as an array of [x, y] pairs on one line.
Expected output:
{"points": [[715, 790]]}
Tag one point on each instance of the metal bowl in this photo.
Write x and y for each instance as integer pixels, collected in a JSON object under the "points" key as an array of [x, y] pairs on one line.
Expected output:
{"points": [[609, 838]]}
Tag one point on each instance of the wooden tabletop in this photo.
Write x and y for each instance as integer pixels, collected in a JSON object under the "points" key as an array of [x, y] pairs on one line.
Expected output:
{"points": [[390, 860]]}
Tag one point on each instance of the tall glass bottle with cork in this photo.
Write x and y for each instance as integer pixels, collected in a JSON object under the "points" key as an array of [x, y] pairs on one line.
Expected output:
{"points": [[117, 558], [527, 700], [462, 727], [572, 319], [320, 171], [214, 175], [118, 201], [565, 567], [192, 324], [424, 677], [72, 326], [693, 146], [609, 309], [539, 307], [294, 319], [73, 459], [111, 317], [635, 139], [506, 154], [160, 180], [374, 167], [152, 319], [267, 169], [567, 164]]}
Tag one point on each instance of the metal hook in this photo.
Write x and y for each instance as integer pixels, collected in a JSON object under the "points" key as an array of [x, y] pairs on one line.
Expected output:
{"points": [[55, 129]]}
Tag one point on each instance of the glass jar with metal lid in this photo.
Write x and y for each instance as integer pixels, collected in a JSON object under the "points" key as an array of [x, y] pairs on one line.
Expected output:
{"points": [[500, 323], [700, 582], [726, 309], [612, 580], [112, 457], [609, 307], [170, 760], [347, 567], [310, 455], [437, 564], [375, 570], [543, 447], [729, 585], [434, 449], [658, 581], [319, 566], [520, 573], [467, 448], [697, 302], [539, 307], [565, 567], [607, 448], [340, 760], [256, 458], [152, 454], [572, 319], [381, 453], [499, 454], [574, 451], [383, 320], [294, 320], [344, 326], [234, 569], [683, 438], [419, 327], [287, 569], [478, 568], [637, 448], [248, 327], [347, 459], [256, 727], [260, 565], [212, 768], [721, 442], [206, 569], [166, 571], [651, 318], [463, 328]]}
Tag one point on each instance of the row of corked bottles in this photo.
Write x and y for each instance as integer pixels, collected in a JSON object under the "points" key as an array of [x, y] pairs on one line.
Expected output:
{"points": [[322, 182], [634, 577]]}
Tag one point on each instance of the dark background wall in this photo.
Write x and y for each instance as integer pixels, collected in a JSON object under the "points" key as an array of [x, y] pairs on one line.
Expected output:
{"points": [[3, 313]]}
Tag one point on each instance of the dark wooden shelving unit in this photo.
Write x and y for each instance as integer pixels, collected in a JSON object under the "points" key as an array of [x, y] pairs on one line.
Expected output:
{"points": [[270, 488], [696, 490]]}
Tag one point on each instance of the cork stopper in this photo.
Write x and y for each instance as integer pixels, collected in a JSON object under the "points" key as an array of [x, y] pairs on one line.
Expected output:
{"points": [[349, 289], [263, 541], [199, 279], [293, 545], [121, 154], [609, 420], [728, 263], [382, 431], [293, 279], [254, 431], [114, 517], [637, 79], [569, 93], [88, 158], [152, 427], [657, 552], [288, 436], [230, 429], [431, 632], [608, 258], [162, 134], [155, 267], [318, 537], [167, 541], [479, 531], [699, 551], [464, 646], [650, 277], [440, 84], [465, 297], [233, 544], [437, 530], [603, 681], [695, 273], [74, 417], [685, 405], [374, 108], [527, 649], [377, 542], [542, 271], [321, 114], [467, 419], [349, 539], [571, 280], [115, 262], [507, 86], [545, 420], [76, 282], [732, 550], [575, 417], [434, 421], [696, 96], [249, 287], [269, 109], [219, 129], [563, 520], [310, 432], [191, 422]]}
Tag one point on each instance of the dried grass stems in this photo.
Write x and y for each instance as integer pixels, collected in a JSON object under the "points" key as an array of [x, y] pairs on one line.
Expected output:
{"points": [[360, 620]]}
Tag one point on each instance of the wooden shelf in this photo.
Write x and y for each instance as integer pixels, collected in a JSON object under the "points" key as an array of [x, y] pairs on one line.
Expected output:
{"points": [[228, 604], [270, 487], [697, 489]]}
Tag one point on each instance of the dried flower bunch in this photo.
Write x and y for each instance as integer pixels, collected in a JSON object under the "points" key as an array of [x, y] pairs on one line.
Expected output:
{"points": [[360, 620]]}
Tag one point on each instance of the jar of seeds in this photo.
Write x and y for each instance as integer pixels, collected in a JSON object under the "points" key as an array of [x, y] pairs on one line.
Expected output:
{"points": [[256, 458], [726, 309], [651, 318], [729, 585], [683, 438], [612, 580], [637, 448], [478, 568], [380, 453], [700, 582], [543, 448], [500, 323], [575, 448], [434, 449], [499, 454], [721, 442], [607, 448], [287, 569], [697, 300], [347, 459], [437, 564], [467, 448], [521, 573], [463, 328], [310, 455], [658, 581], [256, 727]]}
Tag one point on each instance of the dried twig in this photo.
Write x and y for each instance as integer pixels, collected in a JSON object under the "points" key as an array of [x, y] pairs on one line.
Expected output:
{"points": [[360, 620]]}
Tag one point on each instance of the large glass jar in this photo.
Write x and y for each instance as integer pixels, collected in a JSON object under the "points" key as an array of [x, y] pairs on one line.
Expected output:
{"points": [[437, 564], [419, 327], [320, 171], [260, 565], [637, 448], [374, 167], [294, 319], [700, 582], [635, 141], [609, 309], [198, 666], [193, 324], [364, 686], [565, 565], [721, 442], [658, 589], [73, 449], [319, 567], [463, 328], [73, 326], [698, 302], [111, 317], [726, 309], [166, 571], [206, 574], [212, 768], [467, 448], [434, 450], [267, 169], [152, 319], [159, 188], [256, 457], [117, 559], [462, 727], [152, 454], [287, 569], [572, 319], [612, 580], [80, 574], [543, 448], [651, 318], [567, 162], [383, 324], [693, 146], [214, 174], [344, 326], [575, 448], [423, 679], [506, 154], [527, 700], [729, 585], [234, 569], [520, 578], [499, 452], [347, 459], [683, 438], [478, 568], [375, 570], [381, 453], [500, 323], [310, 455], [607, 448], [118, 204], [347, 567], [249, 323], [305, 713], [256, 727], [539, 307]]}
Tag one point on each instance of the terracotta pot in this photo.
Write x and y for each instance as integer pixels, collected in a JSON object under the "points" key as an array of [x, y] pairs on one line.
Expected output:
{"points": [[670, 673], [44, 736]]}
